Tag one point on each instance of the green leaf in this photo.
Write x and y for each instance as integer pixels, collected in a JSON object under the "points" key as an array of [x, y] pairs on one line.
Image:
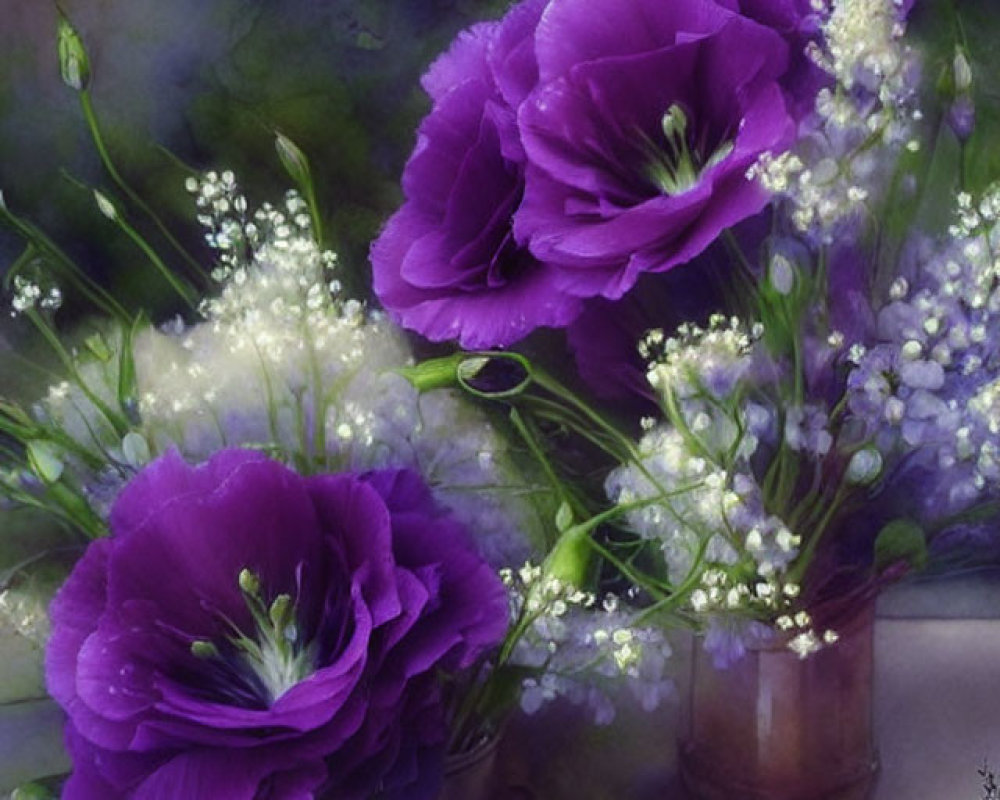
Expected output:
{"points": [[901, 540]]}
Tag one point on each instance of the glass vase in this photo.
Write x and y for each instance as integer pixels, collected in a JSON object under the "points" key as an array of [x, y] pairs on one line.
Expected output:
{"points": [[470, 775], [774, 726]]}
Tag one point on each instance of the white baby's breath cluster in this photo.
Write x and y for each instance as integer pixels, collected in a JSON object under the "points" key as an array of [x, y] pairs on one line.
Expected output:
{"points": [[583, 650], [695, 490], [862, 121], [720, 596], [699, 359], [28, 295], [282, 362]]}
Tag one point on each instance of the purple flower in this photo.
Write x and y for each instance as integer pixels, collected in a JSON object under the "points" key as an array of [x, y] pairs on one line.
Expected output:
{"points": [[447, 264], [639, 136], [249, 633]]}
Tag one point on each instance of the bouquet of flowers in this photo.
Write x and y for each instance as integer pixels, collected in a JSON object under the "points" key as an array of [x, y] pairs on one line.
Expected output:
{"points": [[316, 557]]}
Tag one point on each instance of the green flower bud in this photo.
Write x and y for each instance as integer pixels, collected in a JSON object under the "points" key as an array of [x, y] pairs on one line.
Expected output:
{"points": [[569, 560], [961, 71], [293, 160], [74, 65], [44, 459], [106, 207], [435, 373]]}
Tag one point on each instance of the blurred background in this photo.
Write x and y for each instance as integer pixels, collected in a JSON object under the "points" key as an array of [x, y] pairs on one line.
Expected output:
{"points": [[205, 83]]}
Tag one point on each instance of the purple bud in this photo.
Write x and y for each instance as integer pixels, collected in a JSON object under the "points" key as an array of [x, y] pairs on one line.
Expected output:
{"points": [[962, 117]]}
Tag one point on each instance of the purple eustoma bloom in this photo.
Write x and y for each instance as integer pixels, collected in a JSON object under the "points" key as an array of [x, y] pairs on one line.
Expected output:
{"points": [[640, 134], [577, 144], [447, 264], [246, 632]]}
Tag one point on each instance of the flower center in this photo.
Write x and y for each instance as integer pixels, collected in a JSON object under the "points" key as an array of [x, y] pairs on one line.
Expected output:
{"points": [[274, 658], [675, 168]]}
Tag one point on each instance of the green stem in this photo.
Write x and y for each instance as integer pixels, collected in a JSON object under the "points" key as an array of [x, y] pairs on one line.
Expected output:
{"points": [[117, 422], [183, 291], [95, 131], [796, 573], [562, 491]]}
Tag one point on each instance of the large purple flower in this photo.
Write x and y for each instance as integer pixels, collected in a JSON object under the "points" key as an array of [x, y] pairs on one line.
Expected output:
{"points": [[249, 633], [640, 133], [447, 264]]}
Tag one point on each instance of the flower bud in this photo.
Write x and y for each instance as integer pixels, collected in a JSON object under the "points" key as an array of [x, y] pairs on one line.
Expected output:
{"points": [[135, 449], [569, 560], [106, 207], [293, 160], [74, 65], [961, 72], [44, 460], [434, 373], [864, 467], [961, 118], [782, 274]]}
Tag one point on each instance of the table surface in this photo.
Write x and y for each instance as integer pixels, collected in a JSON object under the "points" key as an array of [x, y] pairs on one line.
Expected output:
{"points": [[937, 717]]}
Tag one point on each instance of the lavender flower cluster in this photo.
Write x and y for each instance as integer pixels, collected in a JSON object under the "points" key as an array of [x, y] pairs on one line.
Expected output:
{"points": [[926, 387]]}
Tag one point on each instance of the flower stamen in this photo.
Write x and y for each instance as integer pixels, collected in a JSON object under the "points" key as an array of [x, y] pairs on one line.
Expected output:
{"points": [[677, 169]]}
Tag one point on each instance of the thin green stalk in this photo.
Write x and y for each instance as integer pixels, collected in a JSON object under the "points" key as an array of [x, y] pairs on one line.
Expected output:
{"points": [[319, 405], [183, 291], [796, 573], [679, 595], [117, 422], [565, 495], [637, 579], [95, 132]]}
